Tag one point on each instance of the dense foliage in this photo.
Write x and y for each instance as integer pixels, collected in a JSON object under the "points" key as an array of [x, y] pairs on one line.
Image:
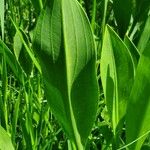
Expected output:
{"points": [[75, 74]]}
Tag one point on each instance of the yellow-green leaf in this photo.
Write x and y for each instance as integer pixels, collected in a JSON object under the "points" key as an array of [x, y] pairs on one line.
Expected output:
{"points": [[5, 140], [117, 75]]}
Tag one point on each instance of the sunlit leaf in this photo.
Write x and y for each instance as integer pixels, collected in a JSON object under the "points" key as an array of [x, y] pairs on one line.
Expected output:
{"points": [[138, 110], [117, 75], [64, 45], [5, 141]]}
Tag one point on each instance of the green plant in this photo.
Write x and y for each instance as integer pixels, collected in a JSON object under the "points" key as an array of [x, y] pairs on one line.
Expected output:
{"points": [[68, 60], [74, 74]]}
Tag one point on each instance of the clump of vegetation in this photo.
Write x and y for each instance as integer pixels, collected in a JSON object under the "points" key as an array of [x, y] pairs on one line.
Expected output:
{"points": [[74, 75]]}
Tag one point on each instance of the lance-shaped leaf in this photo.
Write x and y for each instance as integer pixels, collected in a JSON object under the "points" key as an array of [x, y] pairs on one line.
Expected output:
{"points": [[21, 54], [138, 110], [64, 44], [117, 74], [133, 50]]}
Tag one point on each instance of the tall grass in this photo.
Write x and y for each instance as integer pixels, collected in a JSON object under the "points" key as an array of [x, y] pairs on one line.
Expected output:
{"points": [[74, 74]]}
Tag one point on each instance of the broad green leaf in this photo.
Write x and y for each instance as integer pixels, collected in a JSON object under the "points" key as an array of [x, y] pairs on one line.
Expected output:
{"points": [[133, 50], [117, 75], [65, 47], [145, 37], [138, 109], [122, 11], [5, 141], [11, 61]]}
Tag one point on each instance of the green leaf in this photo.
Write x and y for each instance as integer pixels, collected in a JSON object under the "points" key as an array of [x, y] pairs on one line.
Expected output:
{"points": [[21, 54], [12, 62], [122, 11], [133, 50], [5, 141], [141, 9], [64, 44], [2, 12], [27, 48], [145, 37], [117, 75], [138, 110]]}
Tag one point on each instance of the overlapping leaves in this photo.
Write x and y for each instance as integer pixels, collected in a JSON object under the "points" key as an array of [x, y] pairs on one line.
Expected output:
{"points": [[65, 48]]}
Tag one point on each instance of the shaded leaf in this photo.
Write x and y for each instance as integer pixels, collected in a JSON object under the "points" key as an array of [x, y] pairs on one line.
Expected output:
{"points": [[141, 9], [145, 147], [38, 5], [21, 54], [122, 11]]}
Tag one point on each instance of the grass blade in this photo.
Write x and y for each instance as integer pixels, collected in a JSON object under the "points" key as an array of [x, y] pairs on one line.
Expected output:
{"points": [[21, 54], [28, 50]]}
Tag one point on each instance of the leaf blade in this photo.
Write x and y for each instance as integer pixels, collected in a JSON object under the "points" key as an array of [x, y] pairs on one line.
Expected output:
{"points": [[140, 101], [5, 141], [72, 59], [122, 11], [12, 62], [116, 70]]}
